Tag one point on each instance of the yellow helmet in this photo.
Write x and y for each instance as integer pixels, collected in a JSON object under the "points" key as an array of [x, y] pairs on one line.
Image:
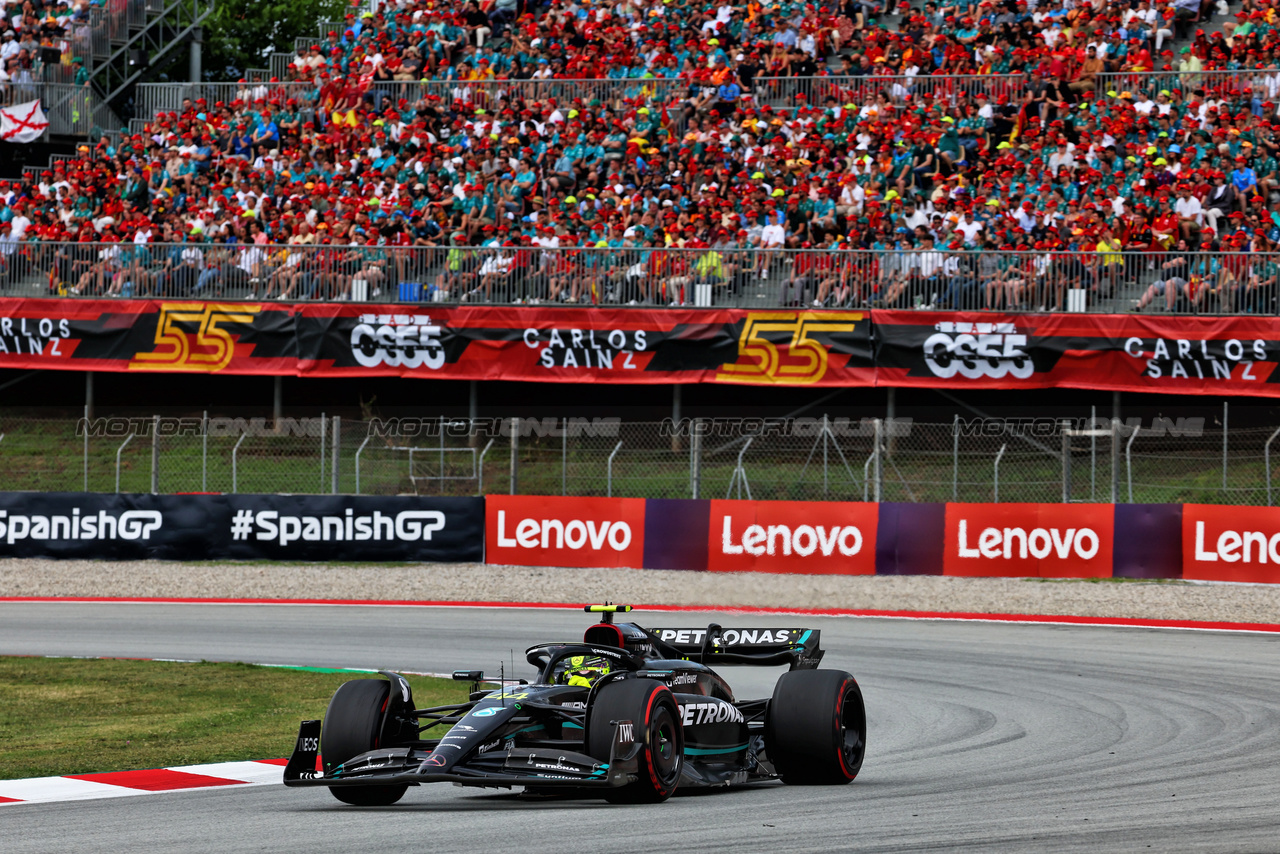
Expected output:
{"points": [[582, 670]]}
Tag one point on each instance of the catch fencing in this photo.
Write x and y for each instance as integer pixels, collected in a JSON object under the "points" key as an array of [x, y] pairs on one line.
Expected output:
{"points": [[725, 276], [1086, 459]]}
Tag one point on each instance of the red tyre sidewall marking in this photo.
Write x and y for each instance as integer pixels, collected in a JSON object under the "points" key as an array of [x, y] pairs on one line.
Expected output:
{"points": [[844, 767], [648, 716]]}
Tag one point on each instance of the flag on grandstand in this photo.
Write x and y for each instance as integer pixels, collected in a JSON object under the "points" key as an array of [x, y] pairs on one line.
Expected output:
{"points": [[22, 122]]}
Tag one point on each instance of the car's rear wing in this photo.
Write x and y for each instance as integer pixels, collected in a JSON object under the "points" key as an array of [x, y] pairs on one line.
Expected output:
{"points": [[713, 644]]}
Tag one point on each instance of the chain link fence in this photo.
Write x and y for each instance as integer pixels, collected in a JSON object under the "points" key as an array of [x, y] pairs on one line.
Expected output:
{"points": [[837, 459]]}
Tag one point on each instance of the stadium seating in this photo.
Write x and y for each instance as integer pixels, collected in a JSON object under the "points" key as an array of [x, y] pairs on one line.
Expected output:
{"points": [[979, 156]]}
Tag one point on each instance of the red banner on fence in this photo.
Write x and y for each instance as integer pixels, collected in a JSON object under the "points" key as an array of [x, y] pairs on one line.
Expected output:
{"points": [[556, 531], [784, 347], [809, 537], [1019, 540], [1182, 355]]}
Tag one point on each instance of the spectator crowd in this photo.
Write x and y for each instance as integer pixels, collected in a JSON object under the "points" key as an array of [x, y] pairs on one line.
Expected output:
{"points": [[991, 154]]}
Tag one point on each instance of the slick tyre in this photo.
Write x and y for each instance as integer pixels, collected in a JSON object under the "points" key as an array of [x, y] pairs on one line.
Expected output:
{"points": [[351, 727], [816, 727], [652, 709]]}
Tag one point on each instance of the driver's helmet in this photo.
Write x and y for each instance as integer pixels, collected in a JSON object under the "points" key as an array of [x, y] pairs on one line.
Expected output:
{"points": [[583, 670]]}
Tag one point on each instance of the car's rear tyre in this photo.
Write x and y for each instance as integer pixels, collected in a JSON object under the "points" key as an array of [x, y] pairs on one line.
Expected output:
{"points": [[816, 727], [352, 725], [655, 716]]}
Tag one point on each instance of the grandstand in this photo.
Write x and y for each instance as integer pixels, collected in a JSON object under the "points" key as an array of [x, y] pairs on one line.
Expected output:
{"points": [[992, 155]]}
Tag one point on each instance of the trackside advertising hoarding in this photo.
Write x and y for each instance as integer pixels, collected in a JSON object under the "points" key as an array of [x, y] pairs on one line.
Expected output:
{"points": [[1193, 541], [813, 538], [524, 530], [240, 527], [1021, 540], [1230, 543]]}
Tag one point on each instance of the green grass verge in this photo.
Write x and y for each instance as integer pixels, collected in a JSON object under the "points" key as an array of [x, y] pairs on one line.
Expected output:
{"points": [[78, 716]]}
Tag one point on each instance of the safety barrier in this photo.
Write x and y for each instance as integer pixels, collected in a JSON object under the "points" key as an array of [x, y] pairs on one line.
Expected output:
{"points": [[1190, 541], [963, 279]]}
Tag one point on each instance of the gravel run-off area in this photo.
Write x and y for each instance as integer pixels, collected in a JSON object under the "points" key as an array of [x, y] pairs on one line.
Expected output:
{"points": [[479, 582]]}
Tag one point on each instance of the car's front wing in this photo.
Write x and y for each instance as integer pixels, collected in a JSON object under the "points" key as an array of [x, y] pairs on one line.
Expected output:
{"points": [[498, 768]]}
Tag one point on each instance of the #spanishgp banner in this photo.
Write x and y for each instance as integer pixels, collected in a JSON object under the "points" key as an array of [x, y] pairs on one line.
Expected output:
{"points": [[241, 527]]}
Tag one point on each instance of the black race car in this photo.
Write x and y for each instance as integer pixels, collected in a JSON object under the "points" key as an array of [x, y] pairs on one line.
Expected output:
{"points": [[630, 714]]}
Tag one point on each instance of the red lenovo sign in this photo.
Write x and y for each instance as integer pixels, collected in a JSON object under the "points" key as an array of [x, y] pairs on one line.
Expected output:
{"points": [[817, 538], [547, 531], [1230, 543], [1018, 540]]}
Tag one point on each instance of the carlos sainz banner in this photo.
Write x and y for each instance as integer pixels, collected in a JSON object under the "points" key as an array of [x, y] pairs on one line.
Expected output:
{"points": [[1180, 355], [787, 347]]}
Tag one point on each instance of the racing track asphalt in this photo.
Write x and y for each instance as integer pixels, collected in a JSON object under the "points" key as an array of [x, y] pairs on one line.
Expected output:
{"points": [[982, 736]]}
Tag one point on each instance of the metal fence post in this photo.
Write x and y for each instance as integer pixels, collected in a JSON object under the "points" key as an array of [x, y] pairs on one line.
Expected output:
{"points": [[1066, 461], [323, 424], [1115, 460], [1093, 453], [996, 481], [155, 454], [1128, 462], [825, 452], [204, 453], [955, 457], [360, 451], [235, 471], [1266, 461], [480, 464], [875, 458], [564, 456], [129, 438], [695, 458], [85, 459], [515, 454], [1224, 448], [609, 470], [334, 443]]}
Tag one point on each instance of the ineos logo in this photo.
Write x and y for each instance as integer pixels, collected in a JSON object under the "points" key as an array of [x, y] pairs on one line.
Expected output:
{"points": [[557, 534], [994, 355]]}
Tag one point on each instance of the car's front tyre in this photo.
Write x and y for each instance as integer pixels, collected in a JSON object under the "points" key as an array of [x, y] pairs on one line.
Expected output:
{"points": [[655, 716], [352, 725]]}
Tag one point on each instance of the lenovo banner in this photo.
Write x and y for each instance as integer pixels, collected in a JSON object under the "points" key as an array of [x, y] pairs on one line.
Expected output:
{"points": [[240, 527], [1181, 355], [1230, 543], [813, 538], [1021, 540], [525, 530]]}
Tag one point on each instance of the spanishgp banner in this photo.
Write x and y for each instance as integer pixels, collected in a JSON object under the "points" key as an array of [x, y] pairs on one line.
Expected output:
{"points": [[240, 527], [1180, 355]]}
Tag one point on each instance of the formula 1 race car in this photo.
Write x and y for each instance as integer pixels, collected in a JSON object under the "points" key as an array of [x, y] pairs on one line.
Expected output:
{"points": [[630, 714]]}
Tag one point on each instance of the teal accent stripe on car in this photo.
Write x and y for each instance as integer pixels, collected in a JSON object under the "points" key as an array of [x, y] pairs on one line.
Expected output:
{"points": [[706, 751], [804, 637]]}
